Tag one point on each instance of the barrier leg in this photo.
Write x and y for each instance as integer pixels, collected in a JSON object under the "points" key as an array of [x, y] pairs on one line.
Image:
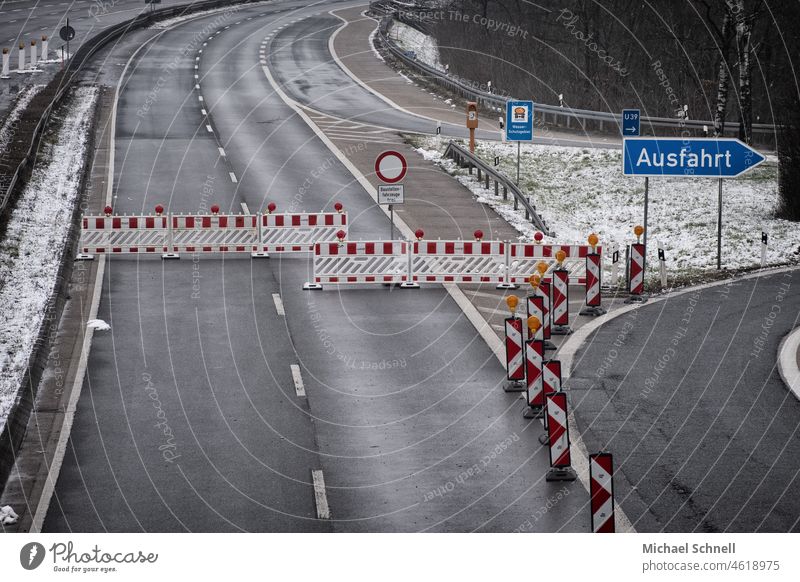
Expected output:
{"points": [[558, 436], [507, 284], [409, 283], [594, 298], [514, 355], [260, 253], [560, 311], [313, 285], [601, 492], [170, 252], [534, 356], [636, 274]]}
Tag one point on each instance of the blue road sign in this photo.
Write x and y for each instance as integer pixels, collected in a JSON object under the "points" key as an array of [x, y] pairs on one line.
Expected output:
{"points": [[630, 123], [519, 120], [687, 158]]}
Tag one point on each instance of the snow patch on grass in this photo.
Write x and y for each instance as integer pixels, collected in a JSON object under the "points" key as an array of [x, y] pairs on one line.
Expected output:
{"points": [[582, 190], [35, 239], [410, 39], [7, 130]]}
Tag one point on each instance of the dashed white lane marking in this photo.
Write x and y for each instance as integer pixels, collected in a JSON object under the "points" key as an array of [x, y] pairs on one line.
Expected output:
{"points": [[200, 50], [299, 387], [196, 67], [197, 76], [233, 177], [245, 207], [276, 298], [222, 152], [197, 58], [199, 97], [208, 129], [323, 511], [203, 112], [197, 86]]}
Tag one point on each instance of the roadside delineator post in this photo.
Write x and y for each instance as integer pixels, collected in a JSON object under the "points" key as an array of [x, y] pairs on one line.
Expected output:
{"points": [[764, 241], [6, 59], [170, 246], [534, 358], [662, 265], [594, 269], [551, 383], [601, 492], [45, 44], [615, 268], [636, 268], [21, 57], [560, 306], [34, 58], [514, 348], [558, 439]]}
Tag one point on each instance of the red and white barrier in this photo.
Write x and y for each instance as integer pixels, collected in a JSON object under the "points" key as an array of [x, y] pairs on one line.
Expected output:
{"points": [[534, 358], [636, 269], [594, 269], [298, 232], [558, 438], [560, 311], [458, 261], [123, 235], [523, 259], [216, 233], [601, 492], [514, 354], [359, 262]]}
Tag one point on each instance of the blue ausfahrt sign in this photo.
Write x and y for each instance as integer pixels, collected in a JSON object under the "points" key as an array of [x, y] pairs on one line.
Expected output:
{"points": [[519, 120], [631, 121], [687, 158]]}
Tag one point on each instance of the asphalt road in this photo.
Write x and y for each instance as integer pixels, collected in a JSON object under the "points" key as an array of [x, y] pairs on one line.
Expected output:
{"points": [[404, 413], [686, 394]]}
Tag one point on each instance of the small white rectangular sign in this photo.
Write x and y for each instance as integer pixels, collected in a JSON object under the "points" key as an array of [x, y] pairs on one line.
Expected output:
{"points": [[390, 194]]}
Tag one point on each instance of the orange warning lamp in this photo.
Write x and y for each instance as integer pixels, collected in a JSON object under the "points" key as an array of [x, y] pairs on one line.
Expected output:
{"points": [[593, 240], [534, 324], [512, 301], [638, 230], [534, 280], [542, 268], [560, 256]]}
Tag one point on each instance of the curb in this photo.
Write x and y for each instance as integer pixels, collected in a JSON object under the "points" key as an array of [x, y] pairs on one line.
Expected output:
{"points": [[787, 361]]}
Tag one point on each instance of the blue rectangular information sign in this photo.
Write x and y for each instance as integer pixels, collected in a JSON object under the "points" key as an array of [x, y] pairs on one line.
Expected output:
{"points": [[631, 122], [519, 120]]}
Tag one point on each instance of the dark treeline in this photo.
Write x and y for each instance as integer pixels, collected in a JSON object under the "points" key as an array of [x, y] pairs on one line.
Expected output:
{"points": [[714, 56]]}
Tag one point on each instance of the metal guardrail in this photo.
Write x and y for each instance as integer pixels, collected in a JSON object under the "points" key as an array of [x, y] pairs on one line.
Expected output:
{"points": [[464, 157], [496, 101], [86, 51]]}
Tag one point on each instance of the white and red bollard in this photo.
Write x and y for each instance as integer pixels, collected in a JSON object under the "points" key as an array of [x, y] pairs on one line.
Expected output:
{"points": [[601, 492], [21, 57], [558, 438], [45, 44], [6, 64], [515, 365], [559, 316], [534, 363], [594, 270], [636, 266], [34, 58]]}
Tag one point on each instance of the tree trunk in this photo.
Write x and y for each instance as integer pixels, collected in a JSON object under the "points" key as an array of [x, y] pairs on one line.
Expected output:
{"points": [[743, 49], [723, 75]]}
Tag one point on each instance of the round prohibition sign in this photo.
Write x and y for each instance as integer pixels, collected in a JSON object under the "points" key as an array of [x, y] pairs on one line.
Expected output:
{"points": [[390, 167]]}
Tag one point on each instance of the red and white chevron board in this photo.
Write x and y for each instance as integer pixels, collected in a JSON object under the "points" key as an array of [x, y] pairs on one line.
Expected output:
{"points": [[514, 349], [535, 307], [524, 257], [534, 356], [558, 430], [298, 232], [601, 492], [544, 293], [458, 261], [594, 265], [560, 311], [551, 377], [360, 262], [636, 269]]}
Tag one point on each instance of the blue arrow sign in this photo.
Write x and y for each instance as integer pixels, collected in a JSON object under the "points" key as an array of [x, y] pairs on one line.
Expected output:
{"points": [[519, 120], [630, 122], [687, 158]]}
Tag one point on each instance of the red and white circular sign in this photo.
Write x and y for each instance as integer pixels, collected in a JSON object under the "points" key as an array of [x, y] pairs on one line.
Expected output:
{"points": [[390, 166]]}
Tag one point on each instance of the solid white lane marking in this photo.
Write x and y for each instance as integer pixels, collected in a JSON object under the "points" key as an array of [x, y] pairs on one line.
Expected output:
{"points": [[233, 177], [221, 152], [209, 129], [323, 511], [276, 298], [245, 207], [299, 387]]}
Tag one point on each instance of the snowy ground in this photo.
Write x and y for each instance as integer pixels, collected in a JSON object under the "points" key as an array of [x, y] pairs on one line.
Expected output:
{"points": [[410, 39], [582, 190], [7, 129], [35, 239]]}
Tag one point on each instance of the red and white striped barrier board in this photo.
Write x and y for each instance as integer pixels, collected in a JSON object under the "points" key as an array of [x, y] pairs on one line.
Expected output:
{"points": [[593, 278], [458, 261], [544, 293], [560, 306], [524, 257], [359, 262], [601, 492], [123, 234], [558, 430], [514, 352], [636, 269], [298, 232], [534, 356], [551, 382], [208, 233], [535, 307]]}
